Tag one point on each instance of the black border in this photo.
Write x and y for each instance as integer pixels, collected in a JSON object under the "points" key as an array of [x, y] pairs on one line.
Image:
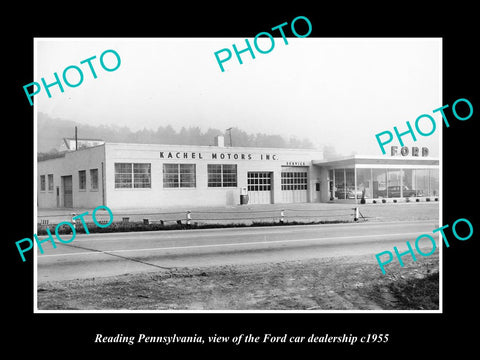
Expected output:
{"points": [[410, 334]]}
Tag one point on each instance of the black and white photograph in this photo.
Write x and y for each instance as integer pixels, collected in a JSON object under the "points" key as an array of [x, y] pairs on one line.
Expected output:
{"points": [[253, 188], [268, 183]]}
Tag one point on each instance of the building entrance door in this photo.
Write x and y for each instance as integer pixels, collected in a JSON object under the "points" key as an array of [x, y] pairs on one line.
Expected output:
{"points": [[259, 187], [67, 191]]}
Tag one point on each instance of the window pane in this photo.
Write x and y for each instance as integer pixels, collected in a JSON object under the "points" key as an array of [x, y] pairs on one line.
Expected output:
{"points": [[260, 178], [340, 192], [142, 175], [187, 168], [410, 183], [350, 183], [141, 168], [229, 175], [214, 180], [292, 180], [123, 175], [434, 182], [379, 182], [50, 182], [170, 168], [82, 179], [94, 179], [123, 181], [230, 168], [408, 179], [422, 182], [123, 168], [170, 180], [170, 176], [214, 175], [364, 183], [393, 188], [223, 175], [229, 180], [187, 175], [42, 182]]}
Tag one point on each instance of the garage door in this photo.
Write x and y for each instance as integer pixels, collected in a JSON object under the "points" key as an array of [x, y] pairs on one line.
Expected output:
{"points": [[259, 187], [294, 185]]}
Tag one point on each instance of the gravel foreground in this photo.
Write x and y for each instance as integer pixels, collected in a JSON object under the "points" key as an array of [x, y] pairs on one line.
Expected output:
{"points": [[340, 283]]}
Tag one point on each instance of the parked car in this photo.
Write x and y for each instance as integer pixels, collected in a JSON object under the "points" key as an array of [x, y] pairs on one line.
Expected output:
{"points": [[394, 191], [350, 192]]}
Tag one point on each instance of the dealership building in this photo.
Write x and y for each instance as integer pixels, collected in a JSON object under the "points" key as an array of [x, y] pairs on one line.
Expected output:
{"points": [[129, 176]]}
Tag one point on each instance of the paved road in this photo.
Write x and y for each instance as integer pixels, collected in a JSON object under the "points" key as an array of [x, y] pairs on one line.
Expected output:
{"points": [[97, 255]]}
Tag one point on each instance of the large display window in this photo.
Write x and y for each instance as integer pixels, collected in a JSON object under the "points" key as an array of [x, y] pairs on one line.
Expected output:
{"points": [[380, 183], [339, 184], [364, 183], [379, 179]]}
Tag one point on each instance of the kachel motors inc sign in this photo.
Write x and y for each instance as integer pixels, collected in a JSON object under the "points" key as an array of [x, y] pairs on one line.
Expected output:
{"points": [[215, 156]]}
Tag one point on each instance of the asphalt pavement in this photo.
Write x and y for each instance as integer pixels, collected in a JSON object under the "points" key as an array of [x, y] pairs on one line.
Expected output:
{"points": [[98, 255]]}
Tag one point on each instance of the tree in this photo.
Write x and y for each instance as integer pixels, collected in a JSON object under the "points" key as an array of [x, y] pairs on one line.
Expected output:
{"points": [[51, 132], [329, 152]]}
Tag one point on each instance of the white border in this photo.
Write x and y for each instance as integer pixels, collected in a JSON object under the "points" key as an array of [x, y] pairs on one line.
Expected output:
{"points": [[35, 172], [440, 174], [35, 211]]}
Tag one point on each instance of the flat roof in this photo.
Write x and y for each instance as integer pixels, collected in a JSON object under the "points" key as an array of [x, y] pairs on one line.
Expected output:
{"points": [[211, 147], [378, 160], [191, 148]]}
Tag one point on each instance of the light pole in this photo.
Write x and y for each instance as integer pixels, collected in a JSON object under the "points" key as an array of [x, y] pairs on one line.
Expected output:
{"points": [[230, 133]]}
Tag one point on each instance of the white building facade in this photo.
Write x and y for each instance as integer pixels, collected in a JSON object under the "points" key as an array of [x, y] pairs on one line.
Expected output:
{"points": [[123, 176], [136, 176]]}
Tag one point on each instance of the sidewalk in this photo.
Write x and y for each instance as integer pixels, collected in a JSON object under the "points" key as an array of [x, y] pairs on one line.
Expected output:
{"points": [[304, 212]]}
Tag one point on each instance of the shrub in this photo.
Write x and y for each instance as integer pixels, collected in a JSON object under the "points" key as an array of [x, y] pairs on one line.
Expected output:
{"points": [[142, 226]]}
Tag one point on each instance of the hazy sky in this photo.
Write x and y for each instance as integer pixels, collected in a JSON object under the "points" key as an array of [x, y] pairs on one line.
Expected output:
{"points": [[337, 91]]}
